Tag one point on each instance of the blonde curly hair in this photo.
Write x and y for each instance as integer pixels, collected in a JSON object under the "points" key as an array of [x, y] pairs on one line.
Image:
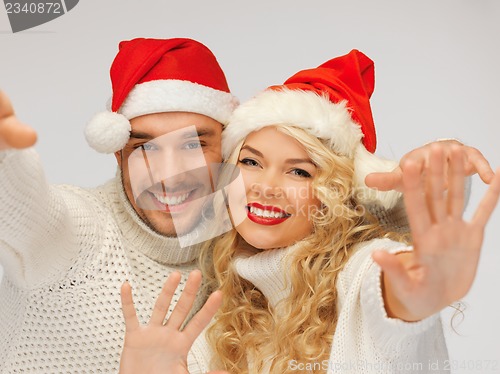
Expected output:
{"points": [[247, 329]]}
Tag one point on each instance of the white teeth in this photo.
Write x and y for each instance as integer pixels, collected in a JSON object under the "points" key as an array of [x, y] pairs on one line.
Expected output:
{"points": [[266, 213], [172, 200]]}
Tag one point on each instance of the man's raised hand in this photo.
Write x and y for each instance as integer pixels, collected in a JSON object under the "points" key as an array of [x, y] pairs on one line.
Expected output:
{"points": [[13, 133]]}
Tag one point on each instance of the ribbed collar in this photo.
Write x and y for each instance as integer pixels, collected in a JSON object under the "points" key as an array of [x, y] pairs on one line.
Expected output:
{"points": [[160, 248], [267, 270]]}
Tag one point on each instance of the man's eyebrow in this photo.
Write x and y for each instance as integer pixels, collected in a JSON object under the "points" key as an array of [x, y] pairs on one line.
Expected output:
{"points": [[187, 134], [198, 133], [140, 135]]}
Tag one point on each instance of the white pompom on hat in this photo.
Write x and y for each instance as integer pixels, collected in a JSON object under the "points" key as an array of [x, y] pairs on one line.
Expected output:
{"points": [[160, 75], [331, 102]]}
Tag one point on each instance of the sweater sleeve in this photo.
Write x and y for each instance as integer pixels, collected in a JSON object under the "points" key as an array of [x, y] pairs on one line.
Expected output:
{"points": [[366, 340], [37, 238], [392, 336]]}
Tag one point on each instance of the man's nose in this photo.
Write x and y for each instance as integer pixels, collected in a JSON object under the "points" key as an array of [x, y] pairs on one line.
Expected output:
{"points": [[168, 165]]}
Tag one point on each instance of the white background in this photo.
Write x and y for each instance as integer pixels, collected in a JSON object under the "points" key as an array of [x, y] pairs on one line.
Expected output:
{"points": [[437, 70]]}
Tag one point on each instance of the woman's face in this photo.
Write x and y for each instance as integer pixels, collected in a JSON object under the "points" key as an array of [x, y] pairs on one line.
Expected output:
{"points": [[278, 175]]}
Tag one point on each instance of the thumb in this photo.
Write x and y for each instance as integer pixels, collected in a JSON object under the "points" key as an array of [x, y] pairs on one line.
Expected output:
{"points": [[14, 134], [392, 268], [386, 181]]}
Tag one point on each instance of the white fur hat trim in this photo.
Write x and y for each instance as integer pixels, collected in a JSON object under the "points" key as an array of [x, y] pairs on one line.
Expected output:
{"points": [[365, 163], [171, 95], [108, 132], [306, 109]]}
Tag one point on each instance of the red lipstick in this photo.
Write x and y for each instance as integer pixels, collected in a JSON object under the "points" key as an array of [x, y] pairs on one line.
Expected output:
{"points": [[268, 221]]}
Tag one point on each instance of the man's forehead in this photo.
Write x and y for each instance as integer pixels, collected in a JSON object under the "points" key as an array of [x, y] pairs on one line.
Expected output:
{"points": [[188, 130]]}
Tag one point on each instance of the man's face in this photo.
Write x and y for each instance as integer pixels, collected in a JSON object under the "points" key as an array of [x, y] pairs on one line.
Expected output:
{"points": [[165, 168]]}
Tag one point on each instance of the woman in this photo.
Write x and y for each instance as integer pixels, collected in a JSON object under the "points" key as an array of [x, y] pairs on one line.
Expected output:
{"points": [[299, 275]]}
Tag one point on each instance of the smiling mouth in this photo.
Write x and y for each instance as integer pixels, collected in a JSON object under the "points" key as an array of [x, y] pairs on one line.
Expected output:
{"points": [[172, 203], [172, 200], [266, 215]]}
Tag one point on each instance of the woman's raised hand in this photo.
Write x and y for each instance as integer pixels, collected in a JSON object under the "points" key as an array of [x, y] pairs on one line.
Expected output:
{"points": [[441, 268]]}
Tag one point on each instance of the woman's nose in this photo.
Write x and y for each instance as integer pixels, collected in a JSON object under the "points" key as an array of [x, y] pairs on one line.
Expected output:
{"points": [[269, 186]]}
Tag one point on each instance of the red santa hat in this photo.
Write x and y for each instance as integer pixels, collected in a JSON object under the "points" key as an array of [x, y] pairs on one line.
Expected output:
{"points": [[159, 75], [331, 102]]}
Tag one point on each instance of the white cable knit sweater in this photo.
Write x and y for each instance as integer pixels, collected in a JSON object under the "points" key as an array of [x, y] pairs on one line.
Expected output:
{"points": [[366, 341], [65, 253]]}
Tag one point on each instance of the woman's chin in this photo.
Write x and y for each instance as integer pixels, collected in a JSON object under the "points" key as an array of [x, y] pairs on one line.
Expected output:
{"points": [[267, 245]]}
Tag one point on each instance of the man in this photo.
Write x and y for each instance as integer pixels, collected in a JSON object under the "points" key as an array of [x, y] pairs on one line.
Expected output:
{"points": [[67, 250]]}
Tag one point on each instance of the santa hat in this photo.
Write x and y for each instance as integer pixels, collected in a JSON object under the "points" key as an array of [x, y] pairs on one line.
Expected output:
{"points": [[159, 75], [331, 102]]}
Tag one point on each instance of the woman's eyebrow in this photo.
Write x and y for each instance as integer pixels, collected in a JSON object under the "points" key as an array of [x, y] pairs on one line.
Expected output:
{"points": [[253, 150], [291, 161], [294, 161]]}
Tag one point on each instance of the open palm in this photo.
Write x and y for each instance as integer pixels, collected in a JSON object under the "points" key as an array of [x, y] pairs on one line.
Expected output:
{"points": [[441, 268], [162, 347]]}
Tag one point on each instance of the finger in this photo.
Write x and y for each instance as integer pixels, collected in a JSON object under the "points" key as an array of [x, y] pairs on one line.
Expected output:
{"points": [[456, 183], [477, 163], [414, 198], [186, 300], [14, 134], [388, 181], [419, 157], [488, 202], [162, 304], [6, 108], [128, 309], [435, 185], [203, 317]]}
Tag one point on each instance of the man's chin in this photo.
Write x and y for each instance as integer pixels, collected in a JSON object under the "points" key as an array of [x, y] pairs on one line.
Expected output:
{"points": [[168, 229]]}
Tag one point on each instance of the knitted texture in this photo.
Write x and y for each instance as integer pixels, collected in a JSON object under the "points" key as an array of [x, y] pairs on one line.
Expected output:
{"points": [[65, 253], [365, 340], [265, 271]]}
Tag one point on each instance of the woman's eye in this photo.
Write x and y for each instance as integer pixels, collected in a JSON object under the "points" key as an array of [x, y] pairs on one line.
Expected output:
{"points": [[301, 173], [249, 162]]}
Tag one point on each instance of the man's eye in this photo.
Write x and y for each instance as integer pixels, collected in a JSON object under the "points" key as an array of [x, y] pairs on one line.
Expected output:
{"points": [[149, 147], [191, 145]]}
